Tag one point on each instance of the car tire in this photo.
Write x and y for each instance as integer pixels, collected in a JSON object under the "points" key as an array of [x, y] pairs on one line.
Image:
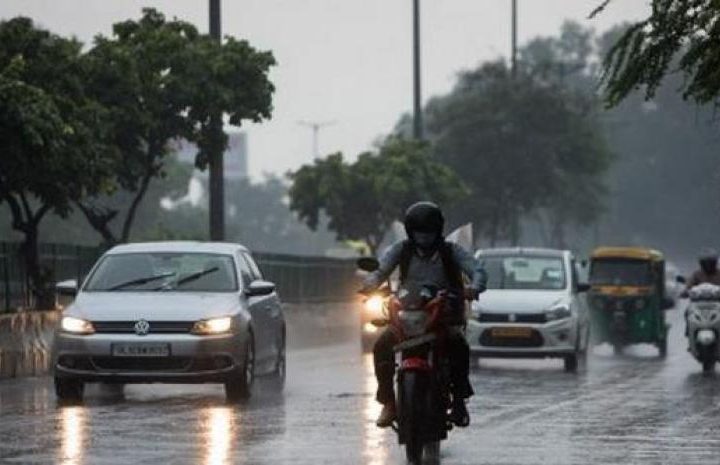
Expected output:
{"points": [[571, 363], [69, 390], [239, 387]]}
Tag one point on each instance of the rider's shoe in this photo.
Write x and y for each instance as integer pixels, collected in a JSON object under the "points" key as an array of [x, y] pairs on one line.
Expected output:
{"points": [[459, 415], [387, 416]]}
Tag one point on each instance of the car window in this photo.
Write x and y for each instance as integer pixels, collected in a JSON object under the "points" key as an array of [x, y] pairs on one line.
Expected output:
{"points": [[245, 271], [256, 274], [524, 272], [164, 271]]}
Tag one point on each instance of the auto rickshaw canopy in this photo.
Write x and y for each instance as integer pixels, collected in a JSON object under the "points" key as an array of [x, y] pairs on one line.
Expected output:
{"points": [[635, 253]]}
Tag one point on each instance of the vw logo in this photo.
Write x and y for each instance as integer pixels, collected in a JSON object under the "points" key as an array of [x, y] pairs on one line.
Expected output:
{"points": [[142, 327], [512, 318]]}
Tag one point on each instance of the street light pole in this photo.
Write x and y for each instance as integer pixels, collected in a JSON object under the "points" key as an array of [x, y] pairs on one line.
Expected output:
{"points": [[513, 58], [417, 97], [316, 126], [217, 175]]}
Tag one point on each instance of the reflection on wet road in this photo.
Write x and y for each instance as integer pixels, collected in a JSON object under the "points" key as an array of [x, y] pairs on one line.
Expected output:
{"points": [[629, 409]]}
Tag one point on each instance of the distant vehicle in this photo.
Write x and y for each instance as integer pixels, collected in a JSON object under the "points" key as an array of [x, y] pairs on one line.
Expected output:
{"points": [[674, 283], [628, 297], [533, 308], [171, 312], [703, 324]]}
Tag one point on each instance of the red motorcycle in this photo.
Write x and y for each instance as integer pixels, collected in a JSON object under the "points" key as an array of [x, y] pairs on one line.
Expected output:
{"points": [[423, 398]]}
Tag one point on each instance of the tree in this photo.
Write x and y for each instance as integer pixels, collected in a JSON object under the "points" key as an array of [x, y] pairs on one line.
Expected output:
{"points": [[51, 150], [679, 35], [363, 199], [162, 81], [517, 142]]}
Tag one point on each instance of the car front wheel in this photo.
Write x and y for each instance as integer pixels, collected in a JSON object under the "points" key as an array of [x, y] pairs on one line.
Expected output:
{"points": [[239, 387], [69, 389]]}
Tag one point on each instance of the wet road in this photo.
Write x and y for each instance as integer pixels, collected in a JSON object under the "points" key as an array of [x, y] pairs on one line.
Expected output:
{"points": [[633, 409]]}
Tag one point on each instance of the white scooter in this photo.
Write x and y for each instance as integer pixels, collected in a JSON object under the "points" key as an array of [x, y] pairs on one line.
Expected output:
{"points": [[703, 324]]}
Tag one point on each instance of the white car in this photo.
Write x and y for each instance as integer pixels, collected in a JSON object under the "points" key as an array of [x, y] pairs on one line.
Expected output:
{"points": [[170, 312], [534, 307]]}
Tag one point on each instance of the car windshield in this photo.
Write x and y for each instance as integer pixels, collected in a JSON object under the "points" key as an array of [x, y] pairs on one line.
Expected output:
{"points": [[620, 273], [524, 272], [192, 272]]}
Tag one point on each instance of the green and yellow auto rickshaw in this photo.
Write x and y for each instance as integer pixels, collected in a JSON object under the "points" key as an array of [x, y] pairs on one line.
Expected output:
{"points": [[627, 297]]}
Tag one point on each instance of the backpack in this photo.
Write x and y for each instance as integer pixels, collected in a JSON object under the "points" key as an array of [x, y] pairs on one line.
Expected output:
{"points": [[451, 267]]}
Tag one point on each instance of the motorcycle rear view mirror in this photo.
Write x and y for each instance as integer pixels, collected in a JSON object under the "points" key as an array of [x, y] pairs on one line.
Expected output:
{"points": [[368, 264]]}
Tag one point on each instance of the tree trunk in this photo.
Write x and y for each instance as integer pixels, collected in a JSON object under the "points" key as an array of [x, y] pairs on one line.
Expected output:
{"points": [[100, 222], [130, 217], [39, 279]]}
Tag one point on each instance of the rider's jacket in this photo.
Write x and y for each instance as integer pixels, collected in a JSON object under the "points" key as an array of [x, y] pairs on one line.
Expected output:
{"points": [[433, 269]]}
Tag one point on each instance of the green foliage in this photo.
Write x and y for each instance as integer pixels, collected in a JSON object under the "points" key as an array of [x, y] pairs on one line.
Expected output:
{"points": [[362, 199], [523, 144], [161, 81], [679, 35], [52, 149]]}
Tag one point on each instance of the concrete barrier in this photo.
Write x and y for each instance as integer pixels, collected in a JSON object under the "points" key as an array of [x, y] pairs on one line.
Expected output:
{"points": [[26, 337], [25, 343]]}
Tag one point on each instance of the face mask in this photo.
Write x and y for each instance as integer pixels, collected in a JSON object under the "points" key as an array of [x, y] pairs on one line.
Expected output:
{"points": [[425, 240]]}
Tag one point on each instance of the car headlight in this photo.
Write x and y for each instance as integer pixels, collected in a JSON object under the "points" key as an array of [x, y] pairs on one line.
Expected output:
{"points": [[213, 326], [558, 313], [374, 306], [74, 325]]}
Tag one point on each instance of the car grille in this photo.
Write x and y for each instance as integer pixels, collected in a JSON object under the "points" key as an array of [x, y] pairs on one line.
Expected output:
{"points": [[535, 340], [156, 327], [142, 363], [505, 318]]}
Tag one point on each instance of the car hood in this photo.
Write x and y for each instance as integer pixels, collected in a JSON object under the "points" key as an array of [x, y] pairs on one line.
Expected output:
{"points": [[519, 301], [156, 306]]}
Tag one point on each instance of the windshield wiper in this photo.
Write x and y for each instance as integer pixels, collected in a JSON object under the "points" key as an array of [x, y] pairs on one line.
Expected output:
{"points": [[195, 276], [138, 281]]}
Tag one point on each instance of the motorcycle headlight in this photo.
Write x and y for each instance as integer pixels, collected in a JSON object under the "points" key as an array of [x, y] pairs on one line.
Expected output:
{"points": [[213, 326], [558, 313], [74, 325], [374, 306]]}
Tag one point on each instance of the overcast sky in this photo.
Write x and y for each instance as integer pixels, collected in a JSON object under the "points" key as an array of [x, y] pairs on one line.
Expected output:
{"points": [[347, 61]]}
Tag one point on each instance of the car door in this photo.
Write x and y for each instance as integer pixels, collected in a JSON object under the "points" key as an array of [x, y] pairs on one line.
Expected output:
{"points": [[580, 302], [273, 308], [256, 306]]}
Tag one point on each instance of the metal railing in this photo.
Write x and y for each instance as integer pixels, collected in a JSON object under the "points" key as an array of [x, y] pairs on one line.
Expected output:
{"points": [[298, 278]]}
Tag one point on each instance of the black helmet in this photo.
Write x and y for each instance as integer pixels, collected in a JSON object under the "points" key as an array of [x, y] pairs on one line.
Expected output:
{"points": [[708, 261], [424, 217]]}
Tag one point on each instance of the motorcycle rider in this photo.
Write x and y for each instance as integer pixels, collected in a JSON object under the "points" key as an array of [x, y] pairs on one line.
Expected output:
{"points": [[708, 272], [426, 258]]}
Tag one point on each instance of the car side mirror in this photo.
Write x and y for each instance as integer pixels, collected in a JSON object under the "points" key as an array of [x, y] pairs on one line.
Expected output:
{"points": [[583, 287], [259, 287], [681, 279], [68, 288]]}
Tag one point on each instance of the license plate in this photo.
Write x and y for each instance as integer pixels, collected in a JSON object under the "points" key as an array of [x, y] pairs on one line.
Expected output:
{"points": [[141, 350], [520, 333]]}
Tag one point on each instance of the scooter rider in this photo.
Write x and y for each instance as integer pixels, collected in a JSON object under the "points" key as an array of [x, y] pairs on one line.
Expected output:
{"points": [[426, 258], [708, 272]]}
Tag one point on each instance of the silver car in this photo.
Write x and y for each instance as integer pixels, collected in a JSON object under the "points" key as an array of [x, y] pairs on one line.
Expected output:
{"points": [[534, 307], [171, 312]]}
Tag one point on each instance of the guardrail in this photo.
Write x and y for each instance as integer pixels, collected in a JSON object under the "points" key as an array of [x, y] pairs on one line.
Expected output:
{"points": [[298, 278]]}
